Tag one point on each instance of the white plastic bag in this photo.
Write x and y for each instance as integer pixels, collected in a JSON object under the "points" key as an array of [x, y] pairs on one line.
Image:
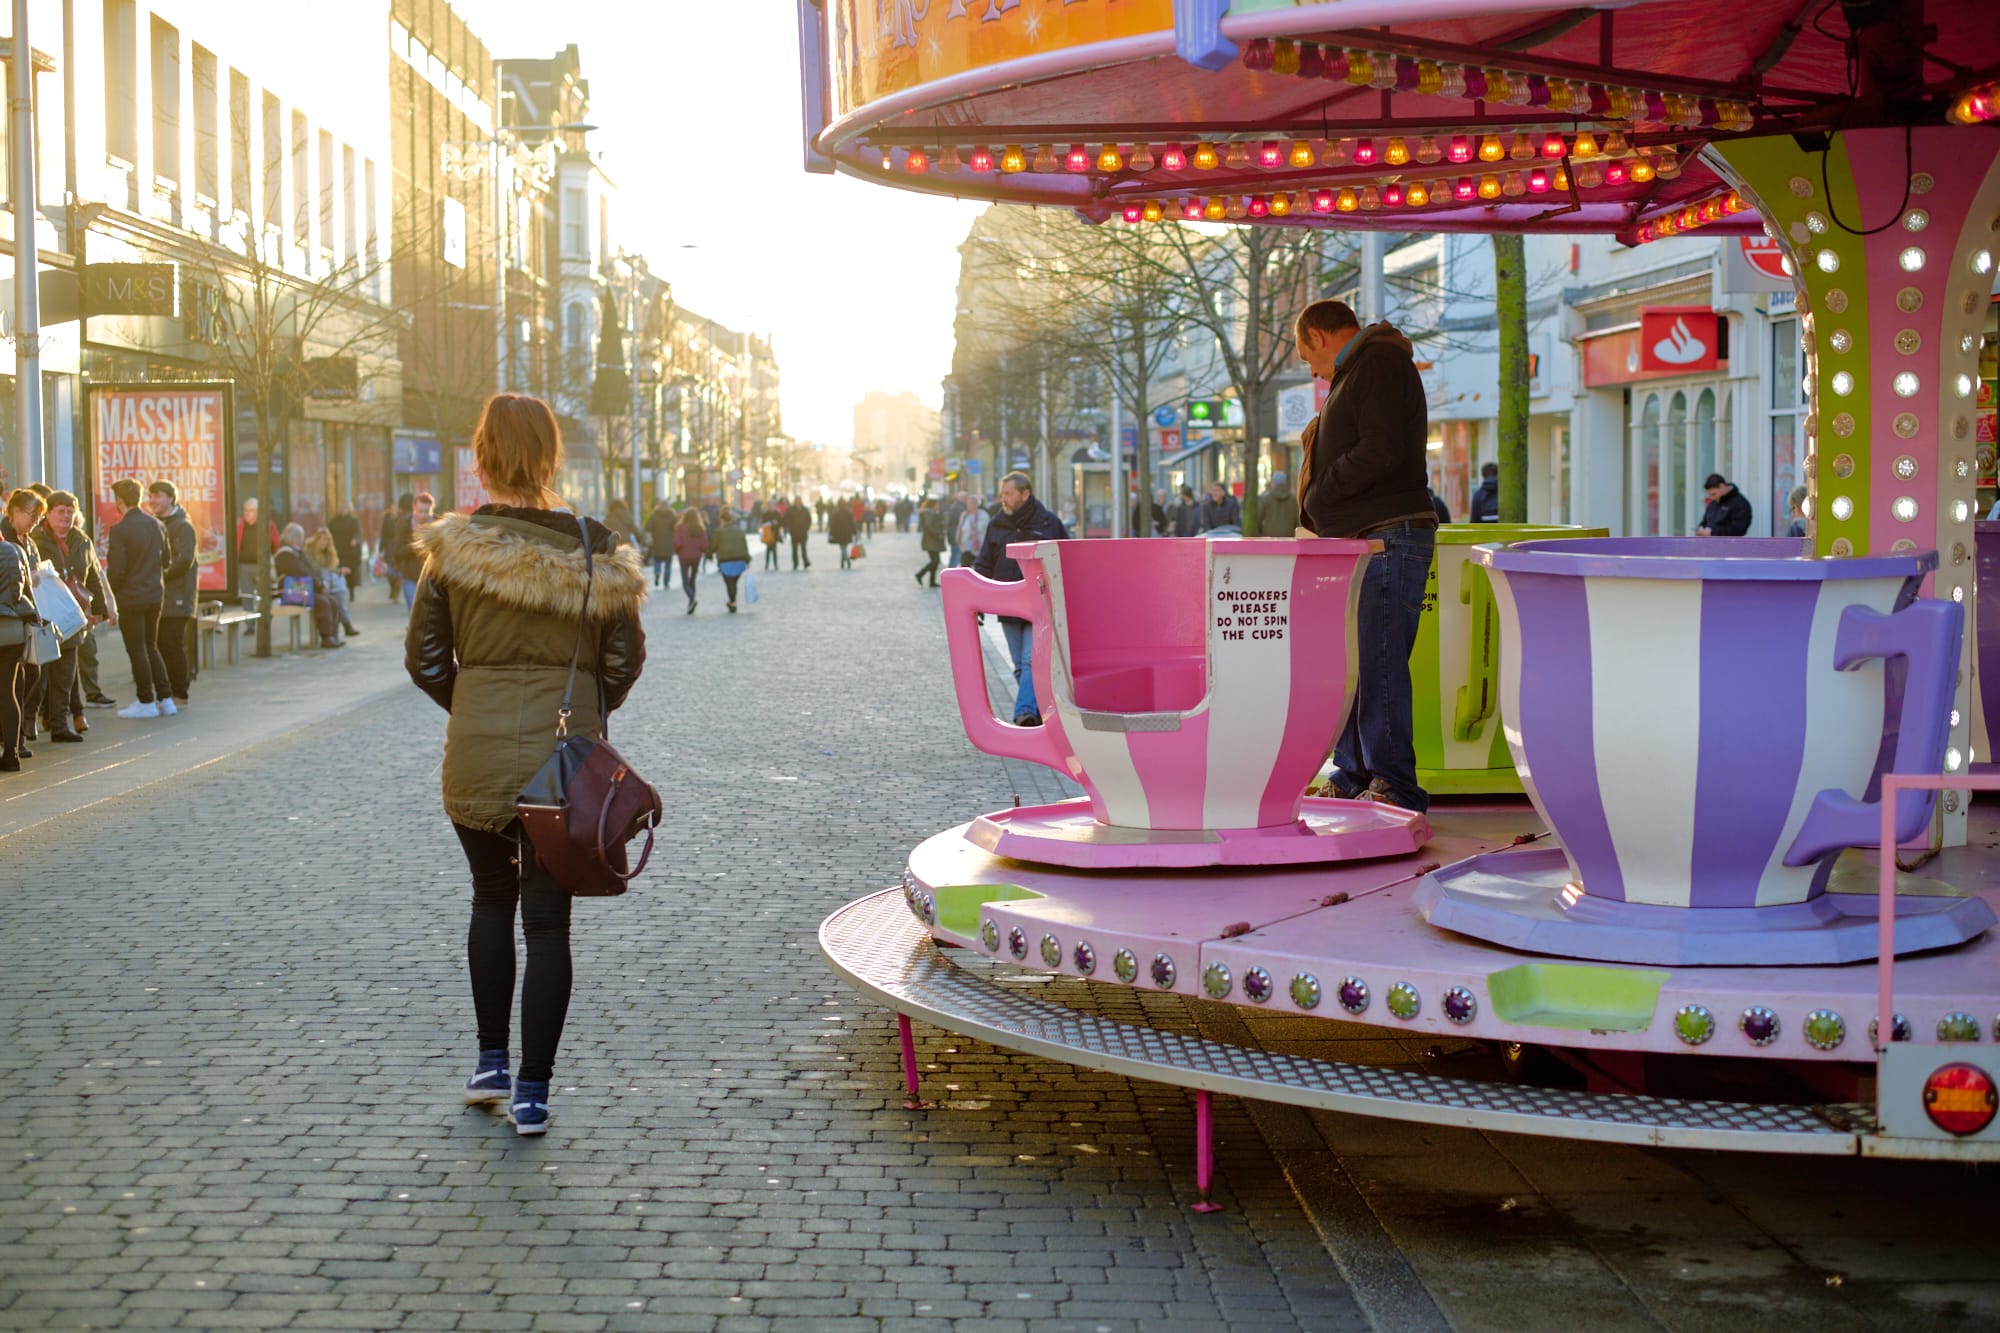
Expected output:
{"points": [[57, 603], [749, 587]]}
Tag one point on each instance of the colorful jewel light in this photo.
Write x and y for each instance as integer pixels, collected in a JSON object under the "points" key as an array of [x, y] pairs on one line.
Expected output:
{"points": [[1615, 145], [888, 160], [1360, 68], [1078, 158], [1589, 175], [1281, 204], [1464, 190], [1312, 65], [1513, 185], [1259, 206], [1173, 158], [1392, 196], [1215, 210], [1584, 146], [980, 159], [1560, 180], [1553, 147], [1346, 201], [1430, 79], [1259, 54], [1237, 157], [1428, 151], [916, 161], [1491, 149], [1397, 153], [1151, 211], [1523, 149], [1489, 187], [1205, 157], [1641, 170], [1335, 154], [1045, 159], [1418, 195], [947, 162], [1302, 154], [1461, 149], [1108, 159], [1976, 106], [1538, 181], [1284, 56], [1192, 210], [1322, 201], [1142, 158], [1371, 198], [1615, 173], [1134, 212], [1364, 153], [1270, 155]]}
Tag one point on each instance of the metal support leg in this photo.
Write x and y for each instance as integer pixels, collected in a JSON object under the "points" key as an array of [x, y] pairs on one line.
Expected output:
{"points": [[914, 1102], [1204, 1151]]}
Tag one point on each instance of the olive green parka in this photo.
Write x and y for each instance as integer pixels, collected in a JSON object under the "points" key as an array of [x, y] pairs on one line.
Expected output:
{"points": [[490, 640]]}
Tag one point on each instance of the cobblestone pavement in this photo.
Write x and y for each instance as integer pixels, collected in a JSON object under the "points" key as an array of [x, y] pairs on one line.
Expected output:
{"points": [[233, 1022]]}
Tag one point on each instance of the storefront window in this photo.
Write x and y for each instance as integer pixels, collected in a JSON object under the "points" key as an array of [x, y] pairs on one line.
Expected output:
{"points": [[1788, 404]]}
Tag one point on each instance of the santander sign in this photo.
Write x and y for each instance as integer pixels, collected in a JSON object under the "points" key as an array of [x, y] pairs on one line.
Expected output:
{"points": [[1678, 338]]}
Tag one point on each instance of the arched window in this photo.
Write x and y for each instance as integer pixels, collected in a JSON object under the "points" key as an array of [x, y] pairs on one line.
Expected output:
{"points": [[1704, 435], [1673, 500]]}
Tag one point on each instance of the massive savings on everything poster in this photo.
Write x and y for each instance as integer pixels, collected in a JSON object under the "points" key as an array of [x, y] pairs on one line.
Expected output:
{"points": [[168, 432]]}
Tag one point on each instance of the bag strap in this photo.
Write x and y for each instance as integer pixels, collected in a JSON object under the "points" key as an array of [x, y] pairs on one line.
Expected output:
{"points": [[582, 624]]}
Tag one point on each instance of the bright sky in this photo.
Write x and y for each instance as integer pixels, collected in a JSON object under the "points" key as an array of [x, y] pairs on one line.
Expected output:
{"points": [[697, 104]]}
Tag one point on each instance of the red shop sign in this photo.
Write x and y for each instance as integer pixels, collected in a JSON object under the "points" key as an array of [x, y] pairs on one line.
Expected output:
{"points": [[1676, 339], [1765, 255]]}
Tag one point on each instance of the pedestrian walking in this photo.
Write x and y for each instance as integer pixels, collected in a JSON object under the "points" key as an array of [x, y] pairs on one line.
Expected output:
{"points": [[493, 635], [690, 546], [1022, 518], [1278, 510], [346, 530], [1486, 500], [660, 543], [410, 560], [18, 525], [1221, 509], [60, 540], [768, 534], [799, 526], [180, 577], [1187, 514], [136, 567], [256, 542], [18, 618], [1369, 479], [930, 529], [731, 550], [971, 529], [394, 544], [841, 527]]}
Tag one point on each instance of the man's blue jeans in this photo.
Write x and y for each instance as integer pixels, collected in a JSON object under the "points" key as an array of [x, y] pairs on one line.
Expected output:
{"points": [[663, 569], [1378, 746], [1020, 646]]}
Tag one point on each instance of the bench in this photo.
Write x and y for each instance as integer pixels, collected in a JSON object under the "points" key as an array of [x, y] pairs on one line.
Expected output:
{"points": [[296, 616], [213, 620]]}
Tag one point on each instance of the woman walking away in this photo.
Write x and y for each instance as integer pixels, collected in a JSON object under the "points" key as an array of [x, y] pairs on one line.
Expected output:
{"points": [[18, 618], [17, 527], [769, 535], [690, 546], [840, 531], [930, 524], [493, 633], [731, 550]]}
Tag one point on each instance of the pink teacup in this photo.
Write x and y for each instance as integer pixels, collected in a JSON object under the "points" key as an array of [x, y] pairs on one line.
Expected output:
{"points": [[1185, 683]]}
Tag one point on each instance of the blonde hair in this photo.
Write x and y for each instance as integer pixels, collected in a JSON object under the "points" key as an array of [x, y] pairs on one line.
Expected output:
{"points": [[518, 447], [322, 538]]}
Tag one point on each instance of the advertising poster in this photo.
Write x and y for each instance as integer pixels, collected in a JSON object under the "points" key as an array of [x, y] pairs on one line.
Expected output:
{"points": [[371, 488], [468, 492], [167, 432]]}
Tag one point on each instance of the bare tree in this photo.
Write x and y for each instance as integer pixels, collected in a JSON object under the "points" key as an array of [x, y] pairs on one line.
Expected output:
{"points": [[1510, 302]]}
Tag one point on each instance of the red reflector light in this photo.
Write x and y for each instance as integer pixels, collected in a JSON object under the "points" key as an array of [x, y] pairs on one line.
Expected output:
{"points": [[1960, 1099]]}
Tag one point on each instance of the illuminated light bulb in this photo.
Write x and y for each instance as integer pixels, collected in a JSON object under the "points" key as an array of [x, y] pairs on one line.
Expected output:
{"points": [[1215, 210], [1397, 153], [1364, 153], [1560, 180], [1585, 145], [1430, 79], [1336, 153], [1173, 158], [1205, 157], [1461, 149], [948, 163], [1346, 201], [1078, 158], [1108, 159], [1302, 154], [1642, 170], [1428, 150], [1982, 262], [1392, 196], [1645, 233], [1589, 175], [1270, 155], [1523, 149], [1142, 158], [1418, 196], [1513, 185], [1045, 159], [1134, 212], [1259, 206], [1360, 70], [888, 160], [1614, 145], [1980, 104], [1237, 158], [1322, 201], [1281, 204], [1191, 210], [1491, 149], [917, 162], [1284, 56], [1553, 146], [1463, 189], [1152, 211], [1538, 181], [1615, 173], [1371, 198], [981, 160], [1489, 187]]}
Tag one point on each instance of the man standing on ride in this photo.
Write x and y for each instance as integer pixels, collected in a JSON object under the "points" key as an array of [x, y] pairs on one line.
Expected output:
{"points": [[1367, 478]]}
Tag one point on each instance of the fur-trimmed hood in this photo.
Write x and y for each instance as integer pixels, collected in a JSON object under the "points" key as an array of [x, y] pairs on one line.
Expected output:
{"points": [[531, 567]]}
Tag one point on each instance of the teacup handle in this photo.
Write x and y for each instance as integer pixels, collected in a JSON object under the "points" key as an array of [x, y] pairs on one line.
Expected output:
{"points": [[965, 596], [1926, 635], [1477, 696]]}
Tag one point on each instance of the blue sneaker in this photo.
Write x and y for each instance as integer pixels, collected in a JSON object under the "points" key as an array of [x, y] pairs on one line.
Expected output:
{"points": [[530, 1108], [491, 1084]]}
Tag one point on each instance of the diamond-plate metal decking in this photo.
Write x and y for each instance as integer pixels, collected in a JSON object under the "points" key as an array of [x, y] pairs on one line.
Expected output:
{"points": [[876, 946]]}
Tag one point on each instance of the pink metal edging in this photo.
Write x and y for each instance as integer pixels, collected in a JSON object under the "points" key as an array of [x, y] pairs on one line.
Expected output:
{"points": [[1893, 786]]}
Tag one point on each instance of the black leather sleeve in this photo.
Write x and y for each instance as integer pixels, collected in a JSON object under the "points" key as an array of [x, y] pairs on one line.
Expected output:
{"points": [[428, 653], [621, 656]]}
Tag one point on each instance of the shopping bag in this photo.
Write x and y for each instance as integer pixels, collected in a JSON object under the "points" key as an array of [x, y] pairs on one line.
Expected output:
{"points": [[749, 587], [856, 551], [295, 590], [57, 604], [43, 646]]}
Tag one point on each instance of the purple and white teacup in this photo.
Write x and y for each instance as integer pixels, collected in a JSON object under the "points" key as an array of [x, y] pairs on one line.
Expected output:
{"points": [[1702, 720]]}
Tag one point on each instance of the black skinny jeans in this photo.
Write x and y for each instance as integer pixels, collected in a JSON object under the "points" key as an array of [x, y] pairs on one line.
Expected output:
{"points": [[799, 553], [689, 568], [497, 886], [10, 697], [140, 626], [930, 569], [173, 643]]}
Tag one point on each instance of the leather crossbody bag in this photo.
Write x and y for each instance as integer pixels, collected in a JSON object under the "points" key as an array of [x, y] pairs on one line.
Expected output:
{"points": [[586, 803]]}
